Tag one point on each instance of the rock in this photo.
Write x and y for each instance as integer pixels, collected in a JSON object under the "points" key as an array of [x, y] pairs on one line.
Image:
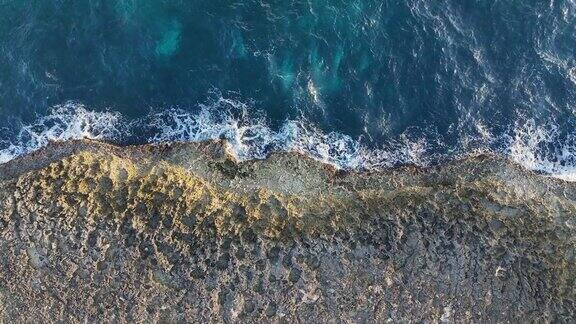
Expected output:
{"points": [[37, 260], [294, 275], [271, 309], [181, 232]]}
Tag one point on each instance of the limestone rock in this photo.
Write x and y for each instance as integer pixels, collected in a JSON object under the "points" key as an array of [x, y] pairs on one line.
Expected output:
{"points": [[182, 232]]}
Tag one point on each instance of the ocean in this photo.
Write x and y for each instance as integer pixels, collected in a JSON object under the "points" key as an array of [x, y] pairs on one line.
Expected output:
{"points": [[360, 84]]}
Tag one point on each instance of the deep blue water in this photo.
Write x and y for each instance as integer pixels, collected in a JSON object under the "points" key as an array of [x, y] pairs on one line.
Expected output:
{"points": [[380, 80]]}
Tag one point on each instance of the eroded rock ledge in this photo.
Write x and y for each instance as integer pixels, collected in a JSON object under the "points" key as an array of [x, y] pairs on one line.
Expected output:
{"points": [[181, 232]]}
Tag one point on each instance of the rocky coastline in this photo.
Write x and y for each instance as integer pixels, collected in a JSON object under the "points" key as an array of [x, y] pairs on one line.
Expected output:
{"points": [[183, 232]]}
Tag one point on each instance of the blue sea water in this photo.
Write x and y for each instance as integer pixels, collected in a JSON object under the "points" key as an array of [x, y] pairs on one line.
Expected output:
{"points": [[356, 83]]}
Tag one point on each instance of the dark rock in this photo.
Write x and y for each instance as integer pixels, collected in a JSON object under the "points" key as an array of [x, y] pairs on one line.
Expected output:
{"points": [[294, 275], [271, 309]]}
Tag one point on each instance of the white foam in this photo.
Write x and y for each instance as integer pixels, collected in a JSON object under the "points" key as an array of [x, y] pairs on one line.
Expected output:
{"points": [[64, 122], [539, 148], [224, 119], [251, 137]]}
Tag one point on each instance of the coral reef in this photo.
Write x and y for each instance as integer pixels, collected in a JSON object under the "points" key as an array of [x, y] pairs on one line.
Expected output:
{"points": [[182, 232]]}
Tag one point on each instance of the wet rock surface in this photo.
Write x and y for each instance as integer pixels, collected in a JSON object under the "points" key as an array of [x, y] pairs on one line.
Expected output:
{"points": [[181, 232]]}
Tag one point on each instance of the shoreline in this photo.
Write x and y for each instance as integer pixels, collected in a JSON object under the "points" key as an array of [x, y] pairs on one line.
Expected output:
{"points": [[61, 148]]}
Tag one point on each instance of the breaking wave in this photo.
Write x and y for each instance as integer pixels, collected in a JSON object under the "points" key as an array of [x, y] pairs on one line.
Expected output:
{"points": [[539, 148], [252, 138], [64, 122], [543, 149]]}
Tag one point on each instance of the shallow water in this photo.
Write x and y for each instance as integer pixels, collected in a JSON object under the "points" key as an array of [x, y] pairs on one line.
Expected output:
{"points": [[360, 84]]}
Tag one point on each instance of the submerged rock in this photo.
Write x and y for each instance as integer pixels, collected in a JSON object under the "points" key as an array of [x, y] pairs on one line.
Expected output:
{"points": [[94, 232]]}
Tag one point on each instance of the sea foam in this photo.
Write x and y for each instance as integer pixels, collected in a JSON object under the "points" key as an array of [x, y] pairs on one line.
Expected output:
{"points": [[538, 148], [251, 137], [64, 122], [543, 149]]}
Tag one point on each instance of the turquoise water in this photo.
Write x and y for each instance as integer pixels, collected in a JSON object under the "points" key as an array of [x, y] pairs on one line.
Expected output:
{"points": [[383, 81]]}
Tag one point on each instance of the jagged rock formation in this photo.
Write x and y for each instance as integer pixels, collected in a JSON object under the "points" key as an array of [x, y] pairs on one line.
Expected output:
{"points": [[181, 232]]}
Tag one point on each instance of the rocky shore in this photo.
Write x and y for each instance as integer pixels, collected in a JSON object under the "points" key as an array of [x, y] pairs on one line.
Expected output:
{"points": [[182, 232]]}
